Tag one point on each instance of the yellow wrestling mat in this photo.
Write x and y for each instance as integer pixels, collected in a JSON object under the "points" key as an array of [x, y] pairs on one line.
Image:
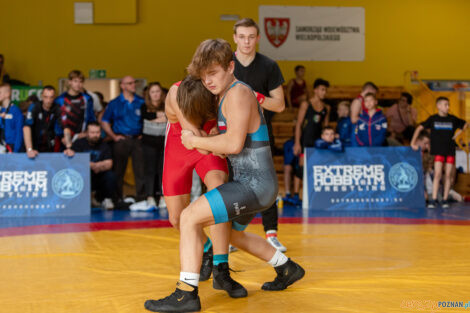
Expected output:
{"points": [[349, 268]]}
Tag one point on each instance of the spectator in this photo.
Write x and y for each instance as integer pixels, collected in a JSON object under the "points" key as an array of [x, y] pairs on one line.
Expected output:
{"points": [[122, 121], [4, 77], [24, 105], [316, 112], [153, 144], [370, 128], [76, 110], [42, 121], [358, 105], [402, 118], [444, 129], [344, 127], [97, 106], [103, 179], [328, 140], [297, 88], [11, 122], [291, 166]]}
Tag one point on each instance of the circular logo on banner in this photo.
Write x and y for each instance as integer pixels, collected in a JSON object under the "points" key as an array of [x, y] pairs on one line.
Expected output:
{"points": [[67, 183], [403, 177]]}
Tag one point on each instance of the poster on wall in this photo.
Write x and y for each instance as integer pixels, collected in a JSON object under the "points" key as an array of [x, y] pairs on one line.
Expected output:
{"points": [[300, 33]]}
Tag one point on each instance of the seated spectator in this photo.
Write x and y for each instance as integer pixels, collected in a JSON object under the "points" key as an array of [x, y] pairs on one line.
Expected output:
{"points": [[358, 105], [402, 118], [122, 121], [291, 166], [316, 114], [370, 128], [344, 126], [328, 141], [297, 88], [76, 110], [42, 121], [4, 77], [103, 179], [11, 122]]}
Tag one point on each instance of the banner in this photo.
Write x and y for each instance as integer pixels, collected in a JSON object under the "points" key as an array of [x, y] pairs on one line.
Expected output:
{"points": [[364, 178], [312, 33], [21, 93], [50, 185]]}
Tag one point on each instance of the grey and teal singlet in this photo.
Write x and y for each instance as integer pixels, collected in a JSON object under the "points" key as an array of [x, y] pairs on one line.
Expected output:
{"points": [[254, 187]]}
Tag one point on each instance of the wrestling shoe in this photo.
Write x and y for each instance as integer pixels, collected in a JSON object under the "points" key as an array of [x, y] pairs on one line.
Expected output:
{"points": [[287, 274], [184, 299], [223, 281], [271, 237], [206, 266]]}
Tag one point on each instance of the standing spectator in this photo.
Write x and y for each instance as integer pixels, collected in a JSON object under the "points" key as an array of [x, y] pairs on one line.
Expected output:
{"points": [[264, 76], [316, 112], [4, 77], [291, 166], [444, 128], [153, 143], [97, 106], [122, 121], [297, 88], [370, 128], [11, 122], [358, 105], [344, 127], [76, 110], [42, 120], [103, 179], [402, 118]]}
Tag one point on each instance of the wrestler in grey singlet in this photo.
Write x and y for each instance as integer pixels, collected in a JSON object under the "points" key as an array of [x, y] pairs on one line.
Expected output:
{"points": [[254, 187]]}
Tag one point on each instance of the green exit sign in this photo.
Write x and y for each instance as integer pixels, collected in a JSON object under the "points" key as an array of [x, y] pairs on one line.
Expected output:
{"points": [[97, 74]]}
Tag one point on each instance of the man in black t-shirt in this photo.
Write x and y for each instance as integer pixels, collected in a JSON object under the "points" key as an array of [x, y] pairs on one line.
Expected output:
{"points": [[41, 123], [264, 76], [103, 179], [444, 129]]}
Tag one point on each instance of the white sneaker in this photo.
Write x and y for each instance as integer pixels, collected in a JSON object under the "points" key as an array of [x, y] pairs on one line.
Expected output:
{"points": [[151, 202], [273, 241], [141, 206], [107, 204], [129, 200], [161, 203]]}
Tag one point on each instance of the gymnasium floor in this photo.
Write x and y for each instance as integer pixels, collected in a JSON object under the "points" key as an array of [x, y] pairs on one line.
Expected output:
{"points": [[360, 261]]}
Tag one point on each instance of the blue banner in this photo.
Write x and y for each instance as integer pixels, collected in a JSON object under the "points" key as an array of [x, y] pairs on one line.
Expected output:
{"points": [[364, 178], [50, 185]]}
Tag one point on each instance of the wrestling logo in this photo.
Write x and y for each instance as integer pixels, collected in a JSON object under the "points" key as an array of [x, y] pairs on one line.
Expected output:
{"points": [[403, 177], [277, 30], [67, 183]]}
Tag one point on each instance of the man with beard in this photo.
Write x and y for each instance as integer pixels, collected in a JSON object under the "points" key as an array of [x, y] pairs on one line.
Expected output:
{"points": [[103, 179]]}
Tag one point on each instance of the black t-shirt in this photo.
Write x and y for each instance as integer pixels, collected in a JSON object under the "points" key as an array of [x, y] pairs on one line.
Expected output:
{"points": [[43, 124], [314, 124], [442, 130], [262, 75], [98, 152]]}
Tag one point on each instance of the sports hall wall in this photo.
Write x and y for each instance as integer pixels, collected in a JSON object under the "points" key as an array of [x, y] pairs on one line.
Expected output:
{"points": [[41, 42]]}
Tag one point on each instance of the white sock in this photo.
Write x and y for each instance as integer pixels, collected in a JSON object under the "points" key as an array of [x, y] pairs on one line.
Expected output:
{"points": [[278, 259], [190, 278]]}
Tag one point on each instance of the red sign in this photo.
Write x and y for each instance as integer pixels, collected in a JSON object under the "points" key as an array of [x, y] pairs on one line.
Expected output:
{"points": [[277, 30]]}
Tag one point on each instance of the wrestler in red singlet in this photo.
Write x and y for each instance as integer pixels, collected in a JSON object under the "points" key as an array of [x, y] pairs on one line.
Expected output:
{"points": [[179, 162]]}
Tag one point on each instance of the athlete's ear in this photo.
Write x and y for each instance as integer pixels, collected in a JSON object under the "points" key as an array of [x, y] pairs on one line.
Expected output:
{"points": [[231, 67]]}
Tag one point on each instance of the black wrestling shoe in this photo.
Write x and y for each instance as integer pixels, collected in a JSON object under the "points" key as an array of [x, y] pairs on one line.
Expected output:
{"points": [[223, 281], [287, 274], [206, 266], [184, 299]]}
